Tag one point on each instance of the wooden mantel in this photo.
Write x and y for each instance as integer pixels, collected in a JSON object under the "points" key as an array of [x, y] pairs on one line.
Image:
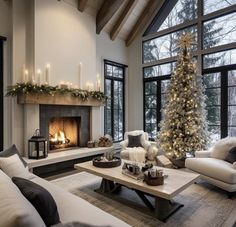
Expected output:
{"points": [[57, 100]]}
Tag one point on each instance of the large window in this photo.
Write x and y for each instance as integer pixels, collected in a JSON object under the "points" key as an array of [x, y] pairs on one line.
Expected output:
{"points": [[213, 24], [114, 75]]}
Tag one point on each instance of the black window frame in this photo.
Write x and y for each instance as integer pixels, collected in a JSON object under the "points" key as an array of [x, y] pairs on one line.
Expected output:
{"points": [[152, 33], [113, 79], [223, 70]]}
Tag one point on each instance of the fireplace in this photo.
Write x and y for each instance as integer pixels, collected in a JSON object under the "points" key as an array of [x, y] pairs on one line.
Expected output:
{"points": [[64, 132], [65, 127]]}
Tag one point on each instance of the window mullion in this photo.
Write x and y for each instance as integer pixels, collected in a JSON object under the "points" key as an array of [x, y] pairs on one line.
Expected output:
{"points": [[224, 104]]}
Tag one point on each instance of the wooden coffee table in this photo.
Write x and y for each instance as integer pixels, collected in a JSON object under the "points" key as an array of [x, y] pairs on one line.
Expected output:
{"points": [[164, 206]]}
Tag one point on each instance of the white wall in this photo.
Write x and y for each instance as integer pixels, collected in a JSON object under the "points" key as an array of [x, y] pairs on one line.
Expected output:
{"points": [[64, 37], [135, 88], [114, 51], [55, 32]]}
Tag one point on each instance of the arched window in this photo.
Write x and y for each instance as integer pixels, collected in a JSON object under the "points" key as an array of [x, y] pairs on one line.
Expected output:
{"points": [[213, 24]]}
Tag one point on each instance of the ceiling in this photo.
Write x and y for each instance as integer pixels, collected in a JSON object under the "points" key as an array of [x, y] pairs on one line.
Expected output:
{"points": [[123, 19]]}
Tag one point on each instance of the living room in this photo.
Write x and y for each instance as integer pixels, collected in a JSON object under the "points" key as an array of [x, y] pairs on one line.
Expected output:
{"points": [[117, 113]]}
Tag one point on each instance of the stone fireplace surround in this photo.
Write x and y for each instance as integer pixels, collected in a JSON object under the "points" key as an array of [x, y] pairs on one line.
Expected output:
{"points": [[47, 112]]}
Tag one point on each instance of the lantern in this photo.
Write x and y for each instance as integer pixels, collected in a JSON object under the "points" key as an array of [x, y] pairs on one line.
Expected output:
{"points": [[37, 146]]}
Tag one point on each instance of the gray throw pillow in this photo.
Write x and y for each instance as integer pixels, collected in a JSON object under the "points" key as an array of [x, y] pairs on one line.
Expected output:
{"points": [[231, 156], [11, 151], [134, 141]]}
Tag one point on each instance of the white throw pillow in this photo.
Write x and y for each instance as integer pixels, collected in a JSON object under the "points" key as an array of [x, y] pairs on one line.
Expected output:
{"points": [[13, 167], [221, 148], [15, 209]]}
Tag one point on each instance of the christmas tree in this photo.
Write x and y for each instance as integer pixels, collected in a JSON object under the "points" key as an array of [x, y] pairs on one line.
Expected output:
{"points": [[184, 125]]}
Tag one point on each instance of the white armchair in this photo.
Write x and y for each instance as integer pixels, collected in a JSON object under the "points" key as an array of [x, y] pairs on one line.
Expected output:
{"points": [[126, 152], [214, 170]]}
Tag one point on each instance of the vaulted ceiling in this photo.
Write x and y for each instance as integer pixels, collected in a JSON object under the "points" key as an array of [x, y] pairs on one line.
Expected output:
{"points": [[122, 19]]}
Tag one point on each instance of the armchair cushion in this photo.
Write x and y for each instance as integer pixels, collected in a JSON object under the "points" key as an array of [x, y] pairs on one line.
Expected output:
{"points": [[222, 147], [134, 141]]}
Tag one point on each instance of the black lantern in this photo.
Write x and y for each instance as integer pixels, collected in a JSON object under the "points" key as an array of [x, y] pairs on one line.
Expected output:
{"points": [[38, 147]]}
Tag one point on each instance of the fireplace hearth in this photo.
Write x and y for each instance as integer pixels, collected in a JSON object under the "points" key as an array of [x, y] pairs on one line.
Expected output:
{"points": [[65, 127]]}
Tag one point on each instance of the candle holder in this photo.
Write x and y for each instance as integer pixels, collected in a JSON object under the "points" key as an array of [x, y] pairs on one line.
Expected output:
{"points": [[37, 146]]}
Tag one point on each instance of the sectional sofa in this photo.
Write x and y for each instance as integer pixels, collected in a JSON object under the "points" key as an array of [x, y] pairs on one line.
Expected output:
{"points": [[15, 210]]}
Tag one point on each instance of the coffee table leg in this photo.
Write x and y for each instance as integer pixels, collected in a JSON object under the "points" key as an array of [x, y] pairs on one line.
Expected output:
{"points": [[165, 208], [108, 186]]}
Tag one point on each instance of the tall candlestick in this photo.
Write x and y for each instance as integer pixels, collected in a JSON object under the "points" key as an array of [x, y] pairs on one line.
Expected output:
{"points": [[33, 79], [39, 76], [47, 73], [25, 76], [98, 82], [80, 75], [23, 73]]}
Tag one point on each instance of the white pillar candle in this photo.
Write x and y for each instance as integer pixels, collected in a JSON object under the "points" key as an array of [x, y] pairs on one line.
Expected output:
{"points": [[39, 76], [33, 79], [98, 82], [26, 76], [47, 73], [80, 75], [91, 86], [23, 73]]}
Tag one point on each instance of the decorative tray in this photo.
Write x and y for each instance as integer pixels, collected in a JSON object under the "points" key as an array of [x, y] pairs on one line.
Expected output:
{"points": [[154, 181], [104, 163]]}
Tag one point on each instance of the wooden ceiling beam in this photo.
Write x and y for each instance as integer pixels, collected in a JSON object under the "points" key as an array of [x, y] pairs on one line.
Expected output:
{"points": [[105, 13], [146, 14], [123, 18], [82, 4]]}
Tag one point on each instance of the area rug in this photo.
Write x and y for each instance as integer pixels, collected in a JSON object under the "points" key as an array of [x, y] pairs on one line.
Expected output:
{"points": [[204, 204]]}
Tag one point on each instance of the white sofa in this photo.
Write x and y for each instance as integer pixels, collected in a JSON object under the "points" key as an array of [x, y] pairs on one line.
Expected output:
{"points": [[15, 210], [214, 170]]}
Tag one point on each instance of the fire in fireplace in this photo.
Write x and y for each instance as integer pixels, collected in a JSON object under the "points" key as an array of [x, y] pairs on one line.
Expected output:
{"points": [[64, 132]]}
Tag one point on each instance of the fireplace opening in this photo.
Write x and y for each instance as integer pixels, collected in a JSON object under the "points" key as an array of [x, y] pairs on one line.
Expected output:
{"points": [[64, 133]]}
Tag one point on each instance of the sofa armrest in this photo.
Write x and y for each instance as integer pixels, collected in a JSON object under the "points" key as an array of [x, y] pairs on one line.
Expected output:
{"points": [[124, 144], [203, 154]]}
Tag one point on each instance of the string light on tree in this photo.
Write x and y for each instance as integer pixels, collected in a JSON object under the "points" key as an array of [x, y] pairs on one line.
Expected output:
{"points": [[184, 126]]}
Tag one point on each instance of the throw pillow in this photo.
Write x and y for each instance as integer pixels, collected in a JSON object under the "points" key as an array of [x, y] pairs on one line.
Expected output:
{"points": [[40, 198], [134, 141], [231, 156], [11, 151], [14, 167], [15, 209], [222, 147]]}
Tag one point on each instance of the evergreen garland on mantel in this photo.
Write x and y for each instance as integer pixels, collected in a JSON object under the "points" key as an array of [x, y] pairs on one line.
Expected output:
{"points": [[29, 88]]}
